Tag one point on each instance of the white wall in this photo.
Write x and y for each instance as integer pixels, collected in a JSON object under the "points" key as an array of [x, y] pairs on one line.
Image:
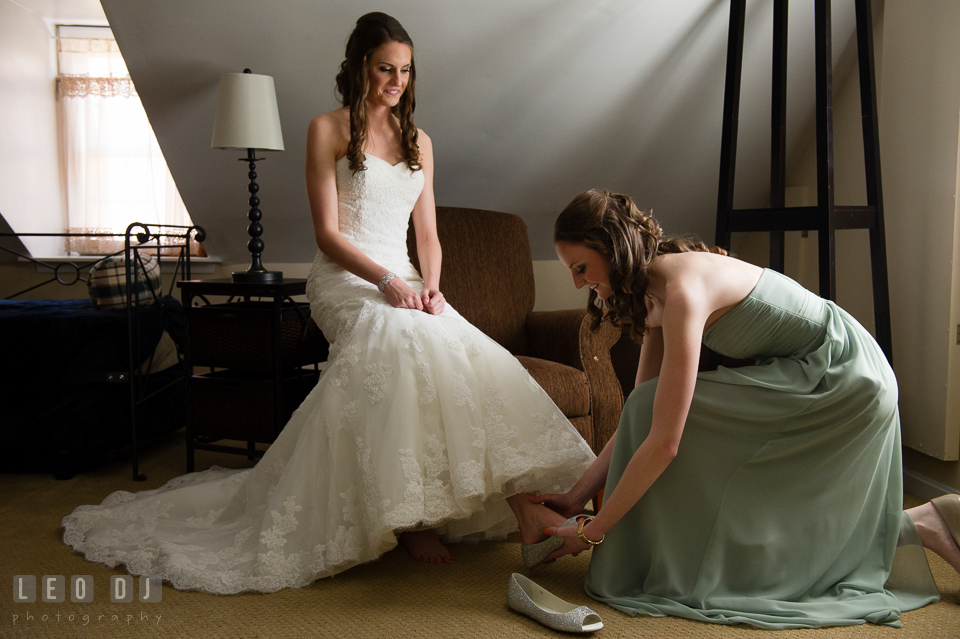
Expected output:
{"points": [[920, 138], [31, 198]]}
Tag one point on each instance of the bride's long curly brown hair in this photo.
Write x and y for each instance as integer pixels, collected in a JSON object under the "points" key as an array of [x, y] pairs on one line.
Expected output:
{"points": [[612, 225], [353, 84]]}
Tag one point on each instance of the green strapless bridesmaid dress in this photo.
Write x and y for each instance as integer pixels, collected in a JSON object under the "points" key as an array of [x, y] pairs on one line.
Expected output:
{"points": [[784, 505]]}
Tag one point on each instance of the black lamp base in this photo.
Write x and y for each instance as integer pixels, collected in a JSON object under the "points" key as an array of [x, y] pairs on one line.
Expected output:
{"points": [[258, 277], [256, 273]]}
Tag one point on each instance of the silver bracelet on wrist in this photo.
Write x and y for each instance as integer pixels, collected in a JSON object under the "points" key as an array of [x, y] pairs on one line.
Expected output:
{"points": [[383, 281]]}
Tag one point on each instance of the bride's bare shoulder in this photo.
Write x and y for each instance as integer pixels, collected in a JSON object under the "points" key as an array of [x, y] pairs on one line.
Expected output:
{"points": [[330, 131], [337, 121]]}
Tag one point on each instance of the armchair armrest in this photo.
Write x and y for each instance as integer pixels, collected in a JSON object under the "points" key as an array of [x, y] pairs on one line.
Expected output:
{"points": [[555, 336], [565, 337]]}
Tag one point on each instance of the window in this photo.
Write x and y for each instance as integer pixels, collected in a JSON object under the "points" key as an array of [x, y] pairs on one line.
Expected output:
{"points": [[112, 166]]}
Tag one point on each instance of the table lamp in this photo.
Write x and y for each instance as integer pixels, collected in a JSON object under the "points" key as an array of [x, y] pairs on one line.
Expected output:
{"points": [[248, 118]]}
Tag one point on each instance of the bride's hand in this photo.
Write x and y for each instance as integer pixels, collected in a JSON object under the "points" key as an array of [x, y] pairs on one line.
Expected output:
{"points": [[433, 301], [400, 295], [563, 503]]}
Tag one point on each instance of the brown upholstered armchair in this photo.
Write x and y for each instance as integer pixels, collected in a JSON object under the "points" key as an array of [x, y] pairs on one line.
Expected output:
{"points": [[487, 276]]}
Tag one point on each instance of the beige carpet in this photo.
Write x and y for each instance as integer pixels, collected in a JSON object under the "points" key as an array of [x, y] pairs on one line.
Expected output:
{"points": [[392, 597]]}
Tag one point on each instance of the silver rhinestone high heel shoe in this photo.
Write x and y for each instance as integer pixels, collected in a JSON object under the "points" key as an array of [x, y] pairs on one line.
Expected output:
{"points": [[531, 600], [535, 554]]}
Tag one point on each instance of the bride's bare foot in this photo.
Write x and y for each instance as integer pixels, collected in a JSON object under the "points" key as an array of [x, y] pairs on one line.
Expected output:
{"points": [[934, 533], [424, 546], [533, 518]]}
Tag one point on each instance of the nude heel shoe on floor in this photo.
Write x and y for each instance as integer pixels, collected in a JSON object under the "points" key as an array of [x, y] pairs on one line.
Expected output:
{"points": [[535, 554], [531, 600], [948, 507]]}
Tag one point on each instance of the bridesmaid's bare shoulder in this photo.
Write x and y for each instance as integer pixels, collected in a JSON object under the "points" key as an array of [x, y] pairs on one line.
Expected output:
{"points": [[721, 281]]}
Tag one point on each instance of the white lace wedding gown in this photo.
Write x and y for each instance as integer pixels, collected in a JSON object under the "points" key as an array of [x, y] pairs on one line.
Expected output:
{"points": [[418, 421]]}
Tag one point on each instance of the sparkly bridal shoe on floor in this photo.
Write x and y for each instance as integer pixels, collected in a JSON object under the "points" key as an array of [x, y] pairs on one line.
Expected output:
{"points": [[531, 600], [535, 554]]}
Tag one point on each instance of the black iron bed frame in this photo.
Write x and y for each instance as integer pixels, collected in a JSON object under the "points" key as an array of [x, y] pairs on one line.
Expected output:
{"points": [[139, 240]]}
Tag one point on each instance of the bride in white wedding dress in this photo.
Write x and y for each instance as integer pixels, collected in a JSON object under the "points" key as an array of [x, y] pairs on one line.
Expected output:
{"points": [[421, 428]]}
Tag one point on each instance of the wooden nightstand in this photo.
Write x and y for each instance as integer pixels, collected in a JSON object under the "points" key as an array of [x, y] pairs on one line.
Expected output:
{"points": [[259, 347]]}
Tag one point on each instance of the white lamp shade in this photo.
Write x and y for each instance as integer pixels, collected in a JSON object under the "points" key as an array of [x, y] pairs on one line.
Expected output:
{"points": [[247, 114]]}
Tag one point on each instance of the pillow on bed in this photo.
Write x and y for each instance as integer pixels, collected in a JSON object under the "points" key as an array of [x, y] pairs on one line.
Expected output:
{"points": [[107, 283]]}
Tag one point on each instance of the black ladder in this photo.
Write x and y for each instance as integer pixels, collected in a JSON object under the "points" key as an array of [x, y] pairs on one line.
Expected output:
{"points": [[826, 217]]}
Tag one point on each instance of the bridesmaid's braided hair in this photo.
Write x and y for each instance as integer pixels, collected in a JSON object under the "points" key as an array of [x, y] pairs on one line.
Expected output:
{"points": [[353, 84], [612, 225]]}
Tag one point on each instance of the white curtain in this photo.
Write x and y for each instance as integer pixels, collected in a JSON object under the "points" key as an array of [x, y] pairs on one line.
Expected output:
{"points": [[113, 169]]}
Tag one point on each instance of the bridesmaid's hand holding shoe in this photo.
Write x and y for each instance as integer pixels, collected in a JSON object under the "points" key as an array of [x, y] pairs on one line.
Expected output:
{"points": [[573, 538], [571, 543]]}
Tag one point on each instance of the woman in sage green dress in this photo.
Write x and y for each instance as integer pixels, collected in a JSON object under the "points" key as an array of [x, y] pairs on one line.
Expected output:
{"points": [[770, 494]]}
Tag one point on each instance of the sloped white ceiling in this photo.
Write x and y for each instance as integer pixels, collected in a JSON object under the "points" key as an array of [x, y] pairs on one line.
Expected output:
{"points": [[65, 11], [527, 102]]}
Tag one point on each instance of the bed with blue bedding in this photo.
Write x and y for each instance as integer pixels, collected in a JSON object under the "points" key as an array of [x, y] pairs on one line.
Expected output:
{"points": [[79, 390]]}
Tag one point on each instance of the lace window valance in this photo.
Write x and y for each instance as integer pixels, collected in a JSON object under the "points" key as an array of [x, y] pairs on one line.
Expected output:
{"points": [[81, 86]]}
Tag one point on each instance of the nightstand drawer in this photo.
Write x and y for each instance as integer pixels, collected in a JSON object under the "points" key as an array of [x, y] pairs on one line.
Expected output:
{"points": [[241, 405], [240, 335]]}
